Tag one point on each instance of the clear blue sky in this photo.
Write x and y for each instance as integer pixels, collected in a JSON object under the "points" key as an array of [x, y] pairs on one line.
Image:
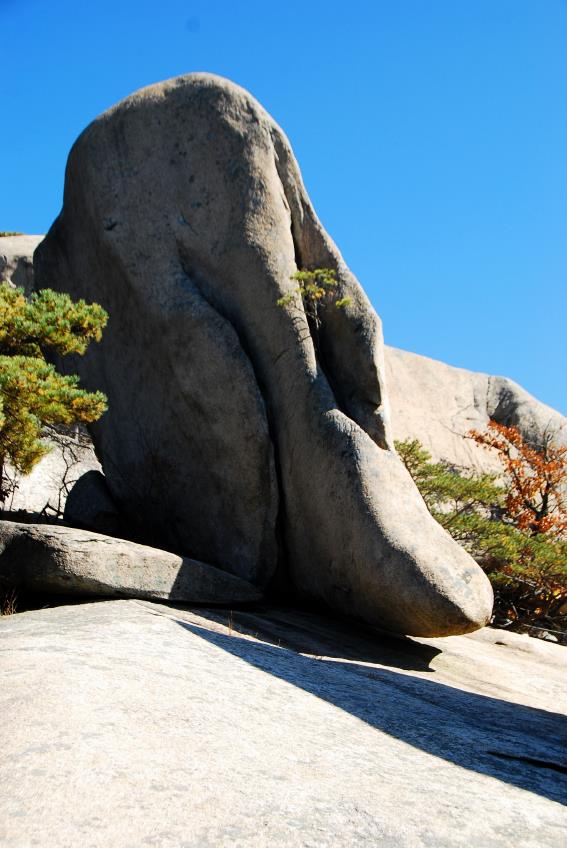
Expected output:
{"points": [[432, 136]]}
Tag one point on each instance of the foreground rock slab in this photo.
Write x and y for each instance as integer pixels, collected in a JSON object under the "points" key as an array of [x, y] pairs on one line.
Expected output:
{"points": [[129, 723], [67, 561]]}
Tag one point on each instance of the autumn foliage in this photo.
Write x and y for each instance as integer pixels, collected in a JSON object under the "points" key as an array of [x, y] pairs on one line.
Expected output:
{"points": [[535, 499], [513, 523]]}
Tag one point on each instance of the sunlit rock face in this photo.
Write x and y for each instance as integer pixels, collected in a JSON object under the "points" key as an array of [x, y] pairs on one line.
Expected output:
{"points": [[16, 266], [439, 404], [237, 432]]}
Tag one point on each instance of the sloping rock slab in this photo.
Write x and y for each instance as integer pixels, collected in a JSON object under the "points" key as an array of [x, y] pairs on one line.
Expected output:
{"points": [[64, 560], [126, 724]]}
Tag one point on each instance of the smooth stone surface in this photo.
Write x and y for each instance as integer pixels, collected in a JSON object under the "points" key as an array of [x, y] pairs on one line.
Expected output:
{"points": [[185, 216], [67, 561], [438, 404], [429, 400], [130, 724]]}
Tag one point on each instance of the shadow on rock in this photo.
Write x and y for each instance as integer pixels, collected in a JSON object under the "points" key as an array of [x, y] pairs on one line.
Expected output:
{"points": [[519, 745], [308, 633]]}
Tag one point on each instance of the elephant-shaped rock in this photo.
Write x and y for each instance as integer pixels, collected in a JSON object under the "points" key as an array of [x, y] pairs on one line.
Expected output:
{"points": [[240, 432]]}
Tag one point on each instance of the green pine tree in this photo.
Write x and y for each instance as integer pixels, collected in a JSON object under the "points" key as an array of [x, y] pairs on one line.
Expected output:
{"points": [[32, 393], [528, 572]]}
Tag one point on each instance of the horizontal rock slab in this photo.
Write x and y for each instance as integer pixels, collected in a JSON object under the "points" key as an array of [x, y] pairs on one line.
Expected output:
{"points": [[64, 560], [126, 724]]}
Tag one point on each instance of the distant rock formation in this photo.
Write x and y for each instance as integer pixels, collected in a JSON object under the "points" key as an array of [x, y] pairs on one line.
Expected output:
{"points": [[438, 404], [16, 260], [237, 432], [45, 490]]}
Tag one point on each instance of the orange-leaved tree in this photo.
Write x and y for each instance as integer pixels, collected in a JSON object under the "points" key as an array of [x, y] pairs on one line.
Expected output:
{"points": [[530, 582], [536, 480]]}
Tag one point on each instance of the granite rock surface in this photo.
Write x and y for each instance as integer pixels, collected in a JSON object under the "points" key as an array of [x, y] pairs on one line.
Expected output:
{"points": [[16, 260], [438, 404], [127, 723], [237, 430], [52, 559]]}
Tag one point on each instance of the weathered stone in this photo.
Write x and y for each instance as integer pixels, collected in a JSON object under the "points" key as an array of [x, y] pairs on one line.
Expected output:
{"points": [[429, 400], [45, 489], [438, 404], [129, 724], [185, 216], [67, 561], [16, 264]]}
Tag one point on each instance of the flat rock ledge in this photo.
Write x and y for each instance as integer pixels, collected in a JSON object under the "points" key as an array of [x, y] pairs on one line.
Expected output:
{"points": [[64, 560], [128, 723]]}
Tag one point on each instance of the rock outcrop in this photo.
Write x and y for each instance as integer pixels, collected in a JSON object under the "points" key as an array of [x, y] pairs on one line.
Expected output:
{"points": [[239, 433], [438, 404], [53, 559], [16, 265], [46, 488], [128, 724]]}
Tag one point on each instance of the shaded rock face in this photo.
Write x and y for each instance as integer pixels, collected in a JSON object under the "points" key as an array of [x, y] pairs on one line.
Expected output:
{"points": [[233, 433]]}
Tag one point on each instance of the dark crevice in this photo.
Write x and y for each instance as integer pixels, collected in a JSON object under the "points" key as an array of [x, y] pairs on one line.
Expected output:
{"points": [[531, 761], [302, 262]]}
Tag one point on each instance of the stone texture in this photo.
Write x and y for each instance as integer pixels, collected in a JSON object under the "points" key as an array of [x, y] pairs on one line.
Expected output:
{"points": [[128, 724], [46, 488], [185, 215], [438, 404], [16, 264], [44, 558]]}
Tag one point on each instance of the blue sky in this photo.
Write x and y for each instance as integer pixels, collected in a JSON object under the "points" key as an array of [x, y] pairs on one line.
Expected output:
{"points": [[432, 136]]}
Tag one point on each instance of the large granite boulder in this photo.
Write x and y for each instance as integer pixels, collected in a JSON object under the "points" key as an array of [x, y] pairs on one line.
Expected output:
{"points": [[127, 724], [235, 432], [53, 559]]}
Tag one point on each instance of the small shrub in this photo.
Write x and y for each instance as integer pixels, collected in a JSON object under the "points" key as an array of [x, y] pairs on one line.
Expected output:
{"points": [[8, 603], [521, 547], [316, 289]]}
